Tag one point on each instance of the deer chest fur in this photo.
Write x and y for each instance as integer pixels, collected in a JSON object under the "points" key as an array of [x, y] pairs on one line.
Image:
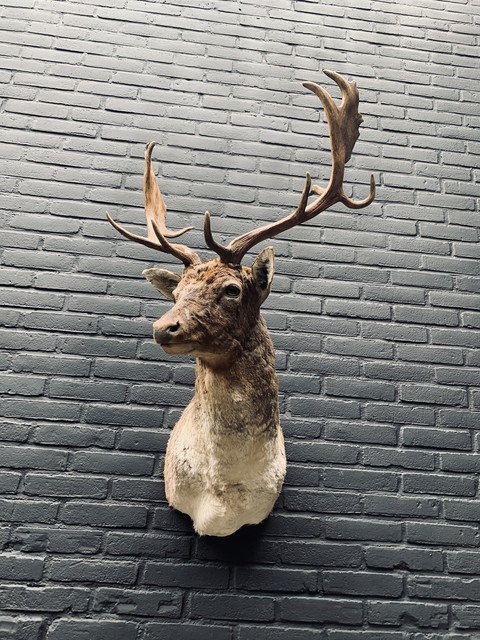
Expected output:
{"points": [[225, 460]]}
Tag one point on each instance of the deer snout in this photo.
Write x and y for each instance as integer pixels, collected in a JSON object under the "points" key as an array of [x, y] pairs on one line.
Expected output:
{"points": [[165, 331]]}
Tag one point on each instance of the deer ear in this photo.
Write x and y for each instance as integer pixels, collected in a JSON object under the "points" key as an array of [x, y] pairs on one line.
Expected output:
{"points": [[163, 280], [262, 271]]}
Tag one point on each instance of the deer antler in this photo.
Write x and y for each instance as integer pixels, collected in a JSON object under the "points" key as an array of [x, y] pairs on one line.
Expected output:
{"points": [[156, 212], [343, 122]]}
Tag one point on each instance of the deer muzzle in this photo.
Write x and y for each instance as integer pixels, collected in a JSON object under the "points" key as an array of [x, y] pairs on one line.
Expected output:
{"points": [[167, 330]]}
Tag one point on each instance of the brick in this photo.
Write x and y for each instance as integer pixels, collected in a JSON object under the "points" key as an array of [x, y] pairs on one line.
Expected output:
{"points": [[60, 321], [113, 463], [437, 439], [9, 481], [287, 525], [240, 607], [395, 371], [132, 416], [460, 337], [422, 279], [359, 347], [353, 478], [451, 265], [29, 299], [74, 486], [327, 554], [38, 260], [104, 571], [74, 629], [152, 545], [394, 294], [35, 363], [15, 567], [321, 610], [147, 371], [357, 309], [395, 332], [81, 436], [104, 515], [320, 501], [445, 588], [58, 282], [440, 355], [418, 614], [360, 432], [420, 315], [430, 394], [371, 635], [371, 584], [463, 463], [439, 483], [35, 539], [467, 616], [21, 385], [449, 299], [43, 599], [463, 562], [407, 558], [188, 631], [321, 452], [324, 407], [19, 457], [39, 511], [275, 633], [460, 510], [324, 364], [388, 457], [182, 575], [302, 475], [359, 388], [271, 579], [344, 529], [21, 627], [164, 604], [441, 534]]}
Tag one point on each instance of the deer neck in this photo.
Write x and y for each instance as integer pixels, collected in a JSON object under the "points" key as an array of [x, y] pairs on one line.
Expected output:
{"points": [[239, 394]]}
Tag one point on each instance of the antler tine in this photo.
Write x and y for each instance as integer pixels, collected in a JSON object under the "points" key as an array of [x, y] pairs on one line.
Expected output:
{"points": [[180, 251], [223, 252], [156, 212], [234, 252], [155, 207], [343, 122]]}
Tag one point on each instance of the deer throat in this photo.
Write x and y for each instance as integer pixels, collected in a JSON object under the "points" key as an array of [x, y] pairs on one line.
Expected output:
{"points": [[240, 398]]}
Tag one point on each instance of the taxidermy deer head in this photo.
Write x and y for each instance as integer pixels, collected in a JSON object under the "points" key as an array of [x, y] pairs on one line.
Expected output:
{"points": [[225, 460]]}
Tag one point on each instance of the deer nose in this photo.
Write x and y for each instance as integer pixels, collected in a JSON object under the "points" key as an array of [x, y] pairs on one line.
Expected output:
{"points": [[165, 332]]}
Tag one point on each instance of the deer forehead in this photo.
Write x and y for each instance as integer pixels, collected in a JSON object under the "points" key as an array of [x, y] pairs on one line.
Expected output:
{"points": [[213, 275]]}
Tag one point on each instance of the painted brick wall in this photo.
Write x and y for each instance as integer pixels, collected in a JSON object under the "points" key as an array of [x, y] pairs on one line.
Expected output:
{"points": [[375, 316]]}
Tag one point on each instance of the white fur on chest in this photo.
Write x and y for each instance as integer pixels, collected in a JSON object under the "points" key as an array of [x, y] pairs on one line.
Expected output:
{"points": [[222, 479]]}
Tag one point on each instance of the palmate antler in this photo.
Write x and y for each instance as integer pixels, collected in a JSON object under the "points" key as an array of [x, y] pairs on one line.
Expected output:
{"points": [[343, 122], [156, 213]]}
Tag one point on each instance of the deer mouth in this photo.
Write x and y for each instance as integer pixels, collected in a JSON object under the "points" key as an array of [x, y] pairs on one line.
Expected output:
{"points": [[178, 348]]}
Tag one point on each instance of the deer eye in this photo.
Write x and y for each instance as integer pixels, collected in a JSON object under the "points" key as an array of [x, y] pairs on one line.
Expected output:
{"points": [[232, 291]]}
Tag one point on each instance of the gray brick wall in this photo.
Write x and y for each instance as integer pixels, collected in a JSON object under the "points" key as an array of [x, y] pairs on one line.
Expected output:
{"points": [[375, 316]]}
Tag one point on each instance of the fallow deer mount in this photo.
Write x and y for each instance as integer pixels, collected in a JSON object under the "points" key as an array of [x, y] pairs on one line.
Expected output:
{"points": [[225, 460]]}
